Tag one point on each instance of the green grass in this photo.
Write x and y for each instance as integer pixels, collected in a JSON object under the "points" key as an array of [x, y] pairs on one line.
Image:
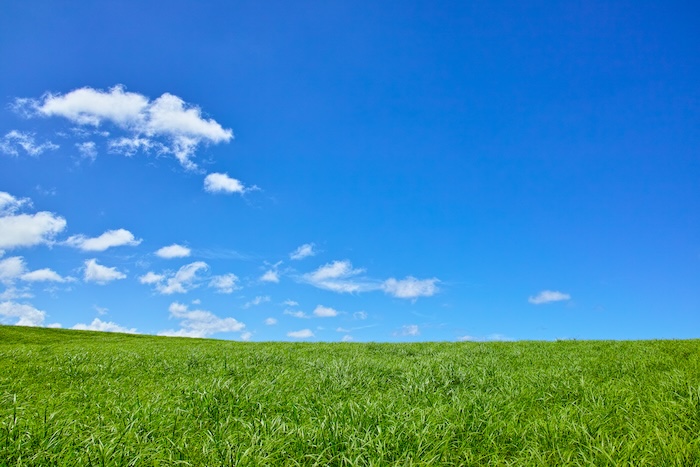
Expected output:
{"points": [[84, 398]]}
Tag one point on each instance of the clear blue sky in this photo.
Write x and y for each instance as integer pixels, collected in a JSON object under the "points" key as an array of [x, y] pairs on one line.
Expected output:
{"points": [[368, 171]]}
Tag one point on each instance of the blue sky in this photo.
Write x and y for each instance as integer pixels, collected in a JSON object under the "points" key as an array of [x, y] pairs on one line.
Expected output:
{"points": [[367, 171]]}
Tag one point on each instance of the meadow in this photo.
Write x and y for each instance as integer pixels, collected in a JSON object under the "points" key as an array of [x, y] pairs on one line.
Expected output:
{"points": [[73, 398]]}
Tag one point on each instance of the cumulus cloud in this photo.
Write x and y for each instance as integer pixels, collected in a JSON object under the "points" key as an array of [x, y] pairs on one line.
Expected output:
{"points": [[168, 121], [11, 268], [301, 334], [199, 323], [21, 314], [336, 276], [226, 283], [109, 239], [270, 321], [270, 276], [94, 272], [325, 312], [173, 251], [185, 279], [222, 183], [304, 251], [15, 140], [548, 296], [410, 287], [45, 275], [22, 230], [104, 326], [347, 338], [245, 336]]}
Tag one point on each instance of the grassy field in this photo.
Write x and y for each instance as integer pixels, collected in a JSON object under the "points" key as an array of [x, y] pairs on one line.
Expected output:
{"points": [[85, 398]]}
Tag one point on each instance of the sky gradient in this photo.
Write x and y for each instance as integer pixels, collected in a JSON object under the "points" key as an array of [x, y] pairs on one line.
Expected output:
{"points": [[358, 171]]}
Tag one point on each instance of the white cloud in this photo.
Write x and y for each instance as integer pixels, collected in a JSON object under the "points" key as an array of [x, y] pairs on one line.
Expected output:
{"points": [[111, 238], [226, 283], [182, 281], [11, 268], [347, 338], [199, 323], [104, 326], [270, 276], [13, 293], [173, 251], [23, 230], [489, 338], [360, 315], [305, 250], [14, 140], [101, 274], [270, 321], [548, 296], [301, 334], [336, 276], [26, 315], [151, 278], [257, 301], [296, 314], [168, 121], [410, 287], [290, 303], [45, 275], [87, 149], [222, 183], [246, 336], [9, 204], [325, 312], [408, 330]]}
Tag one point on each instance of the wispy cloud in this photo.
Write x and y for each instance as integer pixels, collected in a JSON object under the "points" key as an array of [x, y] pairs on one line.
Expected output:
{"points": [[408, 330], [225, 283], [410, 287], [257, 301], [338, 277], [489, 338], [270, 321], [548, 296], [185, 279], [304, 251], [15, 140]]}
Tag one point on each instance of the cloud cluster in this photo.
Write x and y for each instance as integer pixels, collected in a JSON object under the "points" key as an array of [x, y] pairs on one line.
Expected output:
{"points": [[226, 283], [199, 323], [222, 183], [410, 287], [548, 296], [167, 123]]}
